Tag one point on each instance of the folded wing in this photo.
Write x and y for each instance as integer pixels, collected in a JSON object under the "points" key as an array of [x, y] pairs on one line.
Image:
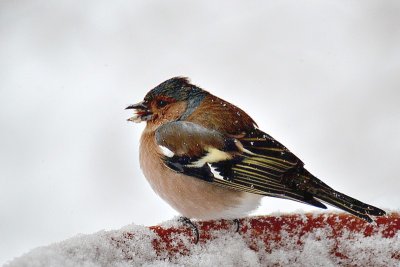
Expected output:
{"points": [[254, 163]]}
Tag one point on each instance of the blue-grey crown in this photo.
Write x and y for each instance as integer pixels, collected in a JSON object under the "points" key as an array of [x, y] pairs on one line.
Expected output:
{"points": [[178, 88]]}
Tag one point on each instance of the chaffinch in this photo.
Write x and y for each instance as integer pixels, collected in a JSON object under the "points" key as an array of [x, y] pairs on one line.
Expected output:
{"points": [[208, 159]]}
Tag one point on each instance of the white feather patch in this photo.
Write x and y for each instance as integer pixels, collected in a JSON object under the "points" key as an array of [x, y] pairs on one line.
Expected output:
{"points": [[215, 172], [213, 155], [166, 152], [240, 147], [249, 152]]}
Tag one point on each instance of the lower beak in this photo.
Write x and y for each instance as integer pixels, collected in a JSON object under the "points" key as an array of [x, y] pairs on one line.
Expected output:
{"points": [[141, 112]]}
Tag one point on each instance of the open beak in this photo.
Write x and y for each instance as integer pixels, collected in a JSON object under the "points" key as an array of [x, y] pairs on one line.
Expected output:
{"points": [[141, 112]]}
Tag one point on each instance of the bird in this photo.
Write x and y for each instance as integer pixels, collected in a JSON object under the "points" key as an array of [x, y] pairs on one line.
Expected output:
{"points": [[208, 159]]}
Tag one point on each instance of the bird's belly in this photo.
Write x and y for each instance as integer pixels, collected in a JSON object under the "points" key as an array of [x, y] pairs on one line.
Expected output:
{"points": [[192, 197]]}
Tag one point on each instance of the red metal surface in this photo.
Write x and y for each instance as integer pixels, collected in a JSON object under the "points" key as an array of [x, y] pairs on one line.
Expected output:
{"points": [[270, 230]]}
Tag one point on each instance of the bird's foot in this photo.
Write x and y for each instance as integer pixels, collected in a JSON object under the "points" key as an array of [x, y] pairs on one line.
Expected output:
{"points": [[237, 225], [195, 230]]}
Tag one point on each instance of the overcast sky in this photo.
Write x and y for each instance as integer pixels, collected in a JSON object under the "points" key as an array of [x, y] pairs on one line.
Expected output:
{"points": [[322, 77]]}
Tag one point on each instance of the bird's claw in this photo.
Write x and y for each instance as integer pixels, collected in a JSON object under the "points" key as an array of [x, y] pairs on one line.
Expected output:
{"points": [[193, 227], [237, 224]]}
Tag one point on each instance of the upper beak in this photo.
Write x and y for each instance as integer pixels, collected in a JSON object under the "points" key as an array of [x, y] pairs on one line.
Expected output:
{"points": [[141, 112], [139, 105]]}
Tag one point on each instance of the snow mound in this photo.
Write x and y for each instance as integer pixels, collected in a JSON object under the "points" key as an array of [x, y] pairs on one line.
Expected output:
{"points": [[284, 240]]}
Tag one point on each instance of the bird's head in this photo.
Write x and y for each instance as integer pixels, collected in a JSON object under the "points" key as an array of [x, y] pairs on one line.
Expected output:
{"points": [[171, 100]]}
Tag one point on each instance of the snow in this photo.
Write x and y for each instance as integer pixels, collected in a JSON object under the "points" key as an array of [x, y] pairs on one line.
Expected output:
{"points": [[98, 249], [135, 245]]}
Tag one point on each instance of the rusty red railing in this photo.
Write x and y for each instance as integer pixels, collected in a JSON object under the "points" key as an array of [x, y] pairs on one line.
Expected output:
{"points": [[274, 231]]}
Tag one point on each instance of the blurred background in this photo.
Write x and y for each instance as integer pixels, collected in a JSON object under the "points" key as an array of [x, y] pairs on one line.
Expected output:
{"points": [[322, 77]]}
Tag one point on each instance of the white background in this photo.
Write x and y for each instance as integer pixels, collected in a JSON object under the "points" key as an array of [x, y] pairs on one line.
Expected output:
{"points": [[322, 77]]}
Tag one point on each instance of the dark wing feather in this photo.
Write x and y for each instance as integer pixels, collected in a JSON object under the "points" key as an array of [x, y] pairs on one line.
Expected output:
{"points": [[266, 157], [269, 167], [255, 163]]}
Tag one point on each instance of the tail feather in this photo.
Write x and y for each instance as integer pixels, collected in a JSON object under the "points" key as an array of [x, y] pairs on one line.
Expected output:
{"points": [[349, 204], [328, 195]]}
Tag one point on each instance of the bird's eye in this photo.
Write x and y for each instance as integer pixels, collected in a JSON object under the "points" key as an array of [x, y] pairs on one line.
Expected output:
{"points": [[161, 103]]}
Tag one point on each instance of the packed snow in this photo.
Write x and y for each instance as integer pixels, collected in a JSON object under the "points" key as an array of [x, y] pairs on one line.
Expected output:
{"points": [[136, 245]]}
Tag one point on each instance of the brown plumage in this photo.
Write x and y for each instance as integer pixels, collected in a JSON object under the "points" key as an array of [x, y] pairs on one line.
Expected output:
{"points": [[231, 120], [208, 159]]}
